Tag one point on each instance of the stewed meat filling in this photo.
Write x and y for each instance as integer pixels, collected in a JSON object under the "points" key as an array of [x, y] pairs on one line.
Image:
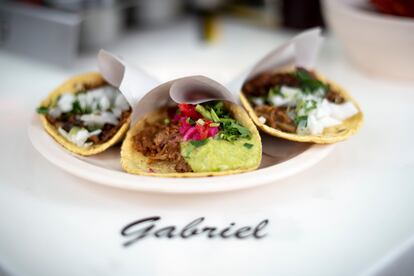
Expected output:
{"points": [[108, 130], [161, 142], [278, 117]]}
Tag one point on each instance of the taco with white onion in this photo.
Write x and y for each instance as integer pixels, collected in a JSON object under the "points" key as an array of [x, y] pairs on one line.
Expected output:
{"points": [[301, 105], [192, 140], [85, 114]]}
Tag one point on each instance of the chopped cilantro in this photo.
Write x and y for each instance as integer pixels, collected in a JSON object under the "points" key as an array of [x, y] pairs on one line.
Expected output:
{"points": [[230, 129], [167, 121], [199, 143], [219, 108], [193, 145], [310, 105], [304, 107], [76, 108], [301, 120], [42, 110], [302, 74], [273, 92], [248, 145], [309, 84], [244, 132], [190, 121], [94, 127]]}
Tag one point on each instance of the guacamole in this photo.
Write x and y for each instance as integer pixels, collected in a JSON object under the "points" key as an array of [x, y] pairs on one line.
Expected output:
{"points": [[213, 155]]}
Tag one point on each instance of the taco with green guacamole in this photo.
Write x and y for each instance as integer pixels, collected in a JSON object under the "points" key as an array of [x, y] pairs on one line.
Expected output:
{"points": [[192, 140], [301, 105], [85, 115]]}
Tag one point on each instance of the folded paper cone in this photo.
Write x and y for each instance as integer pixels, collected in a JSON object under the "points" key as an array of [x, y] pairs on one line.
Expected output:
{"points": [[329, 135], [133, 82], [134, 161], [167, 149], [299, 52]]}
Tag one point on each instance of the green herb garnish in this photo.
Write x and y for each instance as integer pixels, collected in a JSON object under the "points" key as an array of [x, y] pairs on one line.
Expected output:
{"points": [[214, 116], [303, 120], [42, 110], [309, 84], [248, 145], [219, 108], [93, 127], [232, 131], [76, 107], [273, 92], [193, 145], [198, 143], [203, 111], [167, 121], [190, 121]]}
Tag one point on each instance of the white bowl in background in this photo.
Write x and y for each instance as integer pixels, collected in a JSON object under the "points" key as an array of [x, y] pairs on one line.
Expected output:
{"points": [[378, 43]]}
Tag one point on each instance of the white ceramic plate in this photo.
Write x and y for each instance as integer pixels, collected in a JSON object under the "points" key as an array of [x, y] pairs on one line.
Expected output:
{"points": [[288, 158]]}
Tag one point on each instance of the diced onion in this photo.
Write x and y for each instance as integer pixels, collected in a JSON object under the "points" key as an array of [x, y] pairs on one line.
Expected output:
{"points": [[103, 105], [117, 112], [66, 101], [121, 102], [99, 119], [258, 101], [319, 111], [343, 111], [55, 112], [280, 101], [262, 119], [79, 136], [328, 114]]}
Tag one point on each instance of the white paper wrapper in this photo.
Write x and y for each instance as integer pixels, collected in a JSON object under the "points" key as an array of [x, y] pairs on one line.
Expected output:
{"points": [[192, 89], [302, 50], [144, 93]]}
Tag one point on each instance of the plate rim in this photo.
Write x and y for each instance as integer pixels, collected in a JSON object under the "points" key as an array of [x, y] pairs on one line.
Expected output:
{"points": [[118, 179]]}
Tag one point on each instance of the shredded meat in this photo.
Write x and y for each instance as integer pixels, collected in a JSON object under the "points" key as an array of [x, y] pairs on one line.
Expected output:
{"points": [[334, 97], [260, 85], [276, 117], [108, 130], [161, 142]]}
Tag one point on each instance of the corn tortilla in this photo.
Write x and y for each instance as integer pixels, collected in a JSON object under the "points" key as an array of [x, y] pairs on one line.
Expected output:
{"points": [[330, 135], [135, 162], [73, 85]]}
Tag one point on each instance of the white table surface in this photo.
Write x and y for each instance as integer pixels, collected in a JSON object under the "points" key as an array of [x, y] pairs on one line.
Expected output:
{"points": [[340, 217]]}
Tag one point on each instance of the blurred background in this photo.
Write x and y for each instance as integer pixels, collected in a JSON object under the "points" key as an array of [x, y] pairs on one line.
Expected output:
{"points": [[60, 31]]}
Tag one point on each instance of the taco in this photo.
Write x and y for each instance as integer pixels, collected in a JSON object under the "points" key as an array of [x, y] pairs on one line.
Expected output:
{"points": [[208, 139], [85, 114], [302, 106]]}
